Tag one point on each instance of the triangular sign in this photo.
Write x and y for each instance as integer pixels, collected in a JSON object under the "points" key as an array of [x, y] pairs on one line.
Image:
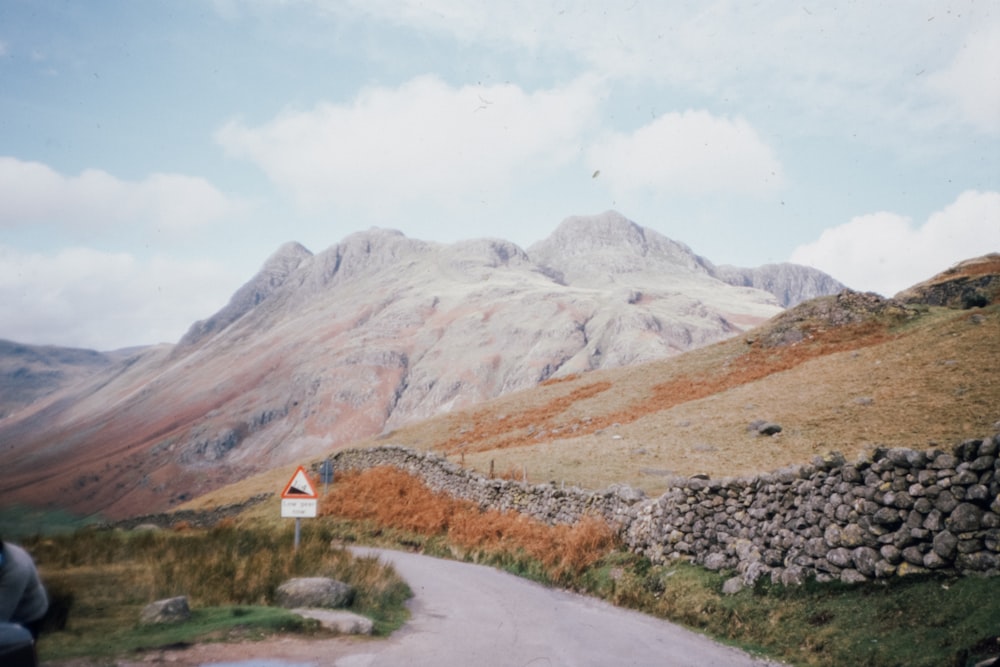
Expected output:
{"points": [[299, 486]]}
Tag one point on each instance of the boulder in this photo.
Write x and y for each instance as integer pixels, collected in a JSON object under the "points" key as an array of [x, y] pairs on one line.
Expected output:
{"points": [[715, 561], [763, 427], [319, 592], [732, 586], [171, 610], [341, 622]]}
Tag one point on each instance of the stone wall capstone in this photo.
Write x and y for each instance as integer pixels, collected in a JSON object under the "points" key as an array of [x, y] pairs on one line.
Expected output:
{"points": [[901, 512]]}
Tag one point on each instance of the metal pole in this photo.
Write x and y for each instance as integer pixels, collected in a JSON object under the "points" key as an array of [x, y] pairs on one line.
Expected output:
{"points": [[298, 532]]}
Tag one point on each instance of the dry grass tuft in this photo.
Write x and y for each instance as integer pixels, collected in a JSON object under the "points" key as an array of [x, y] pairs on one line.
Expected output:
{"points": [[395, 499], [489, 427]]}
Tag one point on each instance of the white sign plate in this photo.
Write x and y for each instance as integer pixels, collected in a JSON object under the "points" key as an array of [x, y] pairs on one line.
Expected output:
{"points": [[298, 508]]}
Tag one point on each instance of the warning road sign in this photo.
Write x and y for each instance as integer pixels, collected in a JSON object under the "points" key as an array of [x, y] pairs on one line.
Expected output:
{"points": [[299, 499], [299, 486]]}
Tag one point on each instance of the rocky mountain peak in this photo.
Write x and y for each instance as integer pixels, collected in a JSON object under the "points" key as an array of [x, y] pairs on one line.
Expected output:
{"points": [[486, 254], [790, 283], [362, 254], [586, 248], [272, 275]]}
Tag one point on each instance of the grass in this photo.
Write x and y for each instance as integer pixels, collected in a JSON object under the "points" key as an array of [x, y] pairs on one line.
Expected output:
{"points": [[100, 580], [929, 622], [104, 639], [395, 499], [19, 521]]}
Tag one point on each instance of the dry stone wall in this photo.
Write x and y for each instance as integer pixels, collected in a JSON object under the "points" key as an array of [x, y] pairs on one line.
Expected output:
{"points": [[901, 512]]}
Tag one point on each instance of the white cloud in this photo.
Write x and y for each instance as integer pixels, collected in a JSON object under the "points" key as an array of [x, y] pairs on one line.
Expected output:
{"points": [[32, 192], [689, 153], [972, 79], [80, 297], [424, 140], [885, 252], [831, 60]]}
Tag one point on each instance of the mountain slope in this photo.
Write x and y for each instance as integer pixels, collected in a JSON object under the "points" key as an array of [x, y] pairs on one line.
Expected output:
{"points": [[376, 332], [29, 372], [845, 373]]}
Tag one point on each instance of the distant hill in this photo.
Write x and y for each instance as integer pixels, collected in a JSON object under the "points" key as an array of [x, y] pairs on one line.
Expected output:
{"points": [[790, 283], [30, 372], [318, 351]]}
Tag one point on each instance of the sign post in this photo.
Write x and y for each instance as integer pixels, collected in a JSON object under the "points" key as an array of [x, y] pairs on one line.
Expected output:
{"points": [[326, 475], [299, 500]]}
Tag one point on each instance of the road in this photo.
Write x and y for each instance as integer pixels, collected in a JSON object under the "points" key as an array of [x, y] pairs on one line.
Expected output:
{"points": [[465, 614]]}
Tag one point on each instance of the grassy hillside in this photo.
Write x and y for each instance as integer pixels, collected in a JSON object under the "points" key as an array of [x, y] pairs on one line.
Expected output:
{"points": [[913, 378], [916, 382]]}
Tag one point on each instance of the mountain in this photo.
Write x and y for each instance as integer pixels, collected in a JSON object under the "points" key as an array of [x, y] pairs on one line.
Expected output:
{"points": [[379, 331], [790, 283], [849, 373], [30, 372]]}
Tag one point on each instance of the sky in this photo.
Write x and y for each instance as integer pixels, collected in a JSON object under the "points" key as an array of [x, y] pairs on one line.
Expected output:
{"points": [[154, 154]]}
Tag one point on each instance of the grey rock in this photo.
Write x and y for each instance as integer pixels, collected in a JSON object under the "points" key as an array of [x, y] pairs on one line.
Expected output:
{"points": [[887, 516], [944, 462], [945, 502], [732, 586], [320, 592], [170, 610], [865, 560], [933, 561], [850, 576], [884, 569], [891, 553], [945, 543], [977, 492], [341, 622], [715, 561], [840, 557], [934, 520], [792, 575], [768, 428], [913, 555], [964, 518], [980, 561], [852, 535]]}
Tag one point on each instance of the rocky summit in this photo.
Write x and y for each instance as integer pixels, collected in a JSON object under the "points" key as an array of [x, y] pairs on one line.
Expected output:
{"points": [[320, 350]]}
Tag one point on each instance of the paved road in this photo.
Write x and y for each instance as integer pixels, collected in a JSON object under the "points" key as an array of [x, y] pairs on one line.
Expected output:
{"points": [[469, 615]]}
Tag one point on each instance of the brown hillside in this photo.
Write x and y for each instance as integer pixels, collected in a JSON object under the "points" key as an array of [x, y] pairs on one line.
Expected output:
{"points": [[933, 379], [846, 373]]}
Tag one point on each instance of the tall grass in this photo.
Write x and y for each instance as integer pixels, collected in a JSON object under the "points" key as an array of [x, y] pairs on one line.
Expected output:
{"points": [[393, 498], [101, 579]]}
